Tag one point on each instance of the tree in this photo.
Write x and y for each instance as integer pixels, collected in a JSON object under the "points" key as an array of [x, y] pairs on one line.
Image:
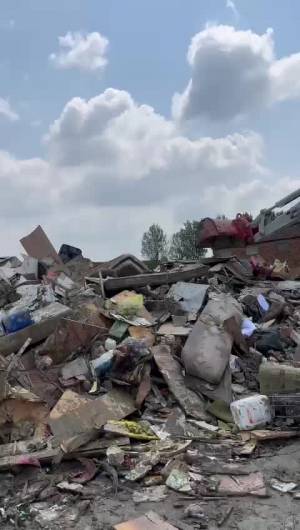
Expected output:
{"points": [[154, 243], [184, 242]]}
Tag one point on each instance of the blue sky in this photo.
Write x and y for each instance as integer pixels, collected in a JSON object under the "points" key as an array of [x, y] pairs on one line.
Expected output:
{"points": [[146, 57]]}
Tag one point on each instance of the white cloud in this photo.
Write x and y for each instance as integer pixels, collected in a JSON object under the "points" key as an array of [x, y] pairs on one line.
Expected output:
{"points": [[7, 111], [231, 5], [251, 196], [113, 167], [235, 72], [115, 152], [285, 75], [86, 52], [27, 186], [230, 73]]}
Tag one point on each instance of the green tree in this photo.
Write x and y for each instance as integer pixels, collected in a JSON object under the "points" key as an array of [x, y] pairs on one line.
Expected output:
{"points": [[184, 243], [154, 244]]}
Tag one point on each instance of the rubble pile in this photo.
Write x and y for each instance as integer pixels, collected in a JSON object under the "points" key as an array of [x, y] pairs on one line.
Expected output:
{"points": [[116, 379]]}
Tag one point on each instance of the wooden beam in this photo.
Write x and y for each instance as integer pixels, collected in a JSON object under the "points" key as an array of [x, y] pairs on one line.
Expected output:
{"points": [[153, 279]]}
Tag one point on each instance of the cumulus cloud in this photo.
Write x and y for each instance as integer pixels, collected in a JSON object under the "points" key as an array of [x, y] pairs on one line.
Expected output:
{"points": [[113, 167], [251, 196], [285, 76], [233, 73], [7, 111], [25, 186], [230, 73], [86, 52], [119, 152]]}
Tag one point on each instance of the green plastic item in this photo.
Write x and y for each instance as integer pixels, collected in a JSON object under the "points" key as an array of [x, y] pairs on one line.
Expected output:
{"points": [[118, 330]]}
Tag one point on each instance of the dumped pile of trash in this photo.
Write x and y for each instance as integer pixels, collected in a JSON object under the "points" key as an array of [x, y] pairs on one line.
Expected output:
{"points": [[162, 381]]}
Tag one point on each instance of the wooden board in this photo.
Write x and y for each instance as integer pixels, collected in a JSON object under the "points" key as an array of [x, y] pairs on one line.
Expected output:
{"points": [[170, 369], [115, 405], [155, 278], [38, 245], [12, 454]]}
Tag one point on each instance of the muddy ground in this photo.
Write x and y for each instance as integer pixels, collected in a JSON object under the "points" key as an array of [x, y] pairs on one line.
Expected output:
{"points": [[99, 509]]}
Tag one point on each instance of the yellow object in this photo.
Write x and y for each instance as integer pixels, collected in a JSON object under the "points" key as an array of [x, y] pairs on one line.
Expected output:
{"points": [[94, 389], [129, 303], [132, 429], [280, 267]]}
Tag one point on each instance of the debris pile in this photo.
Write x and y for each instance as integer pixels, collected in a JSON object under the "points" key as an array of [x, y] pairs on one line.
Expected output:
{"points": [[154, 383]]}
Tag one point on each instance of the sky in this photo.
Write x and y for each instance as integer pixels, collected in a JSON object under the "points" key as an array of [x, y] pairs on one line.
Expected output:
{"points": [[116, 114]]}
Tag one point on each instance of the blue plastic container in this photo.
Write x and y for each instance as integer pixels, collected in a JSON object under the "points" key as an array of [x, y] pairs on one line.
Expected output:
{"points": [[16, 320], [103, 365]]}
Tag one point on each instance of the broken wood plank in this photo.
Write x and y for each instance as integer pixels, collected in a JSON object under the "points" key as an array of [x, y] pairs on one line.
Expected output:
{"points": [[13, 454], [18, 355], [16, 362], [17, 448], [262, 435], [72, 444], [191, 403], [153, 279], [98, 447], [115, 405], [68, 402], [70, 336], [44, 456], [170, 329]]}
